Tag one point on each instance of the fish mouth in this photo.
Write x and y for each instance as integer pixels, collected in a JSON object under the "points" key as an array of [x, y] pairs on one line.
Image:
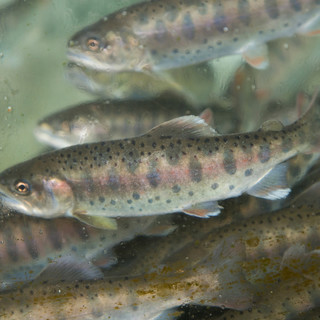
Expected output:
{"points": [[47, 137], [14, 204], [86, 60]]}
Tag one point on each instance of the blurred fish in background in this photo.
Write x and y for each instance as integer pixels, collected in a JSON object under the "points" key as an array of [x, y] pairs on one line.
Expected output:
{"points": [[111, 120]]}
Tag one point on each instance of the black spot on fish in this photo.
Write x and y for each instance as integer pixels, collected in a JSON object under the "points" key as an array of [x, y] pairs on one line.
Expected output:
{"points": [[176, 188], [271, 7], [153, 178], [244, 11], [264, 153], [248, 172], [91, 203], [190, 193], [173, 155], [131, 156], [129, 201], [157, 198], [188, 26], [160, 30], [295, 5], [287, 145], [136, 196], [231, 187], [195, 170], [168, 201], [214, 186], [229, 162], [150, 200], [113, 202]]}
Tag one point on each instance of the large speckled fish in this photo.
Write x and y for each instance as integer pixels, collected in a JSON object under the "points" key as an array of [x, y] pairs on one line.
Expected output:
{"points": [[110, 120], [31, 246], [164, 34], [181, 165]]}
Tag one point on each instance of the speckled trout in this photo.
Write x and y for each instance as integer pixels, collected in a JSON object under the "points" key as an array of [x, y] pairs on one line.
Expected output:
{"points": [[164, 34], [110, 119], [180, 165]]}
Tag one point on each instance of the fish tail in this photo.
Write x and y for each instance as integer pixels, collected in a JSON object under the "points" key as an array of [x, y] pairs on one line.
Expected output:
{"points": [[309, 126]]}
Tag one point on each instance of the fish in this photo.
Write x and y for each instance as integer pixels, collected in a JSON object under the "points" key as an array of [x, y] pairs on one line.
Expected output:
{"points": [[194, 83], [289, 298], [155, 36], [135, 298], [104, 120], [210, 257], [182, 165], [30, 247]]}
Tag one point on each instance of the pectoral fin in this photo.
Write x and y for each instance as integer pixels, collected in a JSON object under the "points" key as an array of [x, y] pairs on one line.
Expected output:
{"points": [[257, 56], [203, 209], [97, 221], [70, 268], [273, 185]]}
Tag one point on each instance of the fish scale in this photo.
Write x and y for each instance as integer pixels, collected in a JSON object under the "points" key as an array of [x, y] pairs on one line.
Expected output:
{"points": [[181, 165], [161, 35]]}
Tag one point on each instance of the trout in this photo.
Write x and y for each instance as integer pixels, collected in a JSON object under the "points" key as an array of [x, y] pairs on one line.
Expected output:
{"points": [[109, 120], [180, 165], [215, 277], [164, 34]]}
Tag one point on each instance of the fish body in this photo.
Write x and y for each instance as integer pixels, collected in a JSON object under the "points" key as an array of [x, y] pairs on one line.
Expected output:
{"points": [[29, 246], [181, 165], [136, 298], [108, 120], [160, 35]]}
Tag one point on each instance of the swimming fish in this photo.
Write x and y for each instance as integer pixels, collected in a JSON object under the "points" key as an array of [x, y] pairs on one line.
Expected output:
{"points": [[165, 34], [210, 259], [109, 120], [32, 246], [216, 281], [180, 165]]}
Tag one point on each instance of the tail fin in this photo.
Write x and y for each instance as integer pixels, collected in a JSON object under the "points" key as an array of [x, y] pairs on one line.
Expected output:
{"points": [[309, 126]]}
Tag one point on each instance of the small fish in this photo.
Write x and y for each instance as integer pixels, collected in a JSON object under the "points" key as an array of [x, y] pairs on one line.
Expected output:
{"points": [[216, 281], [165, 34], [110, 120], [31, 246], [180, 165]]}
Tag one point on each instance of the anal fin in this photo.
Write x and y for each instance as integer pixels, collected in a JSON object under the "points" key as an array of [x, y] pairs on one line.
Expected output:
{"points": [[203, 209], [273, 185], [257, 56]]}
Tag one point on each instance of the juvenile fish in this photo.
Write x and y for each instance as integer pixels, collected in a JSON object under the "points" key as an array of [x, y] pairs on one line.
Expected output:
{"points": [[110, 120], [30, 246], [135, 298], [181, 165], [165, 34]]}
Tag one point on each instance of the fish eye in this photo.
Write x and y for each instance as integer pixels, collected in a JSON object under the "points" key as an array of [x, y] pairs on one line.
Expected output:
{"points": [[93, 44], [22, 187]]}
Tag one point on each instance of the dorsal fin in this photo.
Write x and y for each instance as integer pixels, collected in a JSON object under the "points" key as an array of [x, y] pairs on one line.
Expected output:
{"points": [[186, 127], [272, 125]]}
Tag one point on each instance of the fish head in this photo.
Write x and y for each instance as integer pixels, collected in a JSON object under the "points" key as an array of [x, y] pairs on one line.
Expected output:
{"points": [[70, 128], [26, 189], [108, 46]]}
